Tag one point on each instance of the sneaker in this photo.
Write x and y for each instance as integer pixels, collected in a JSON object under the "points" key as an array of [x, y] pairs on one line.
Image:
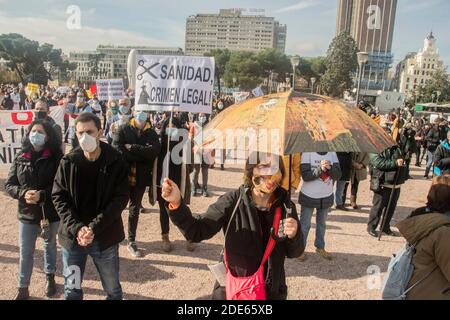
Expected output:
{"points": [[341, 207], [190, 246], [22, 294], [166, 245], [205, 193], [135, 252], [302, 258], [222, 167], [323, 254]]}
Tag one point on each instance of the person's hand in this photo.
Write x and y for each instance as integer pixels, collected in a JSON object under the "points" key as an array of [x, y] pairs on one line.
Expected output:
{"points": [[30, 197], [400, 162], [290, 228], [293, 190], [325, 165], [128, 147], [170, 192], [85, 236]]}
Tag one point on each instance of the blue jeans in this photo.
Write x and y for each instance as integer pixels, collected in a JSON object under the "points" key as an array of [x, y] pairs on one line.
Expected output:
{"points": [[430, 156], [106, 262], [339, 194], [28, 234], [321, 219]]}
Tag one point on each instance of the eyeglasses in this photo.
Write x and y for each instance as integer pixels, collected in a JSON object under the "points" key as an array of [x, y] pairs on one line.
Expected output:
{"points": [[275, 179]]}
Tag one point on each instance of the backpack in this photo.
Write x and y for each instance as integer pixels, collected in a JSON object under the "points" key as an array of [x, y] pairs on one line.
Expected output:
{"points": [[399, 273]]}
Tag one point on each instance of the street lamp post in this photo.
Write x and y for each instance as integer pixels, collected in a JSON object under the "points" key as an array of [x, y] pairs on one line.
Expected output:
{"points": [[295, 61], [313, 80], [363, 58]]}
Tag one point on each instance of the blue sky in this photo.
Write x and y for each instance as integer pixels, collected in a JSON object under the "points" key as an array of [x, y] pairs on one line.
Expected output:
{"points": [[311, 23]]}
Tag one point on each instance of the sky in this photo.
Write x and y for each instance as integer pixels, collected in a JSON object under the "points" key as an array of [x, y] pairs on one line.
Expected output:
{"points": [[311, 23]]}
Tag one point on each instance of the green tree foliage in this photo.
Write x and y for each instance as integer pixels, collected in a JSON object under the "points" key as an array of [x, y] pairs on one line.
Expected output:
{"points": [[32, 62], [341, 62], [439, 82], [221, 58]]}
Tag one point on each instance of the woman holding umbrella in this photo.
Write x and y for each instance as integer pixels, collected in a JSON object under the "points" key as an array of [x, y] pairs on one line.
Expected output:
{"points": [[247, 216]]}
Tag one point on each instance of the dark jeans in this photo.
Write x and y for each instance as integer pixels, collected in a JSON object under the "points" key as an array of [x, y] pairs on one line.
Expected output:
{"points": [[380, 203], [106, 262], [418, 161], [354, 190], [204, 168], [163, 216], [136, 195]]}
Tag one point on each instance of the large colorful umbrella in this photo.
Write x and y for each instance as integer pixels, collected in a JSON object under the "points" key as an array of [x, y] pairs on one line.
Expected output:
{"points": [[293, 122]]}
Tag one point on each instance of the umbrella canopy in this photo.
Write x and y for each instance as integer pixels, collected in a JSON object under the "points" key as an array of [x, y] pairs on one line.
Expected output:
{"points": [[293, 122]]}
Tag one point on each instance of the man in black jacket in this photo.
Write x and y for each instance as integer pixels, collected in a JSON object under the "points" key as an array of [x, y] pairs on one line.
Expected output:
{"points": [[139, 145], [383, 170], [89, 193]]}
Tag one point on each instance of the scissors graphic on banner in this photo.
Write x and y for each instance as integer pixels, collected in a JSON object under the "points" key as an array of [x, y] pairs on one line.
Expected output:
{"points": [[146, 70]]}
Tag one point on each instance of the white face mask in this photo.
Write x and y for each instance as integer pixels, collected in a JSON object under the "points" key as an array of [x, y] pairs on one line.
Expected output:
{"points": [[88, 143]]}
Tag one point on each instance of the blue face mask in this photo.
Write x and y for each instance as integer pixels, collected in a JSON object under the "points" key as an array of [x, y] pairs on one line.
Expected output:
{"points": [[123, 110], [141, 117], [37, 139]]}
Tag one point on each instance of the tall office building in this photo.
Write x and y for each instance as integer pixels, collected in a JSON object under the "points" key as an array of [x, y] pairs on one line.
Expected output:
{"points": [[371, 23], [230, 29]]}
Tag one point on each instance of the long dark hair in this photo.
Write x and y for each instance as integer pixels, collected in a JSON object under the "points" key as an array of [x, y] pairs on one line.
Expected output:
{"points": [[53, 144]]}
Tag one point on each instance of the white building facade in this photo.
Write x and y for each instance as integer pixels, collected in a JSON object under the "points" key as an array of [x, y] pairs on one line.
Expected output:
{"points": [[232, 30], [112, 61], [417, 69]]}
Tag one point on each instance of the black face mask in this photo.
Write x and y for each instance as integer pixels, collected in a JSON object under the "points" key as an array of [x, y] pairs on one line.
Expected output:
{"points": [[41, 115]]}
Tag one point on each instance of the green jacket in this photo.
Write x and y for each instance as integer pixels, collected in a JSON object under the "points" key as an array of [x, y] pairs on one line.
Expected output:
{"points": [[384, 166]]}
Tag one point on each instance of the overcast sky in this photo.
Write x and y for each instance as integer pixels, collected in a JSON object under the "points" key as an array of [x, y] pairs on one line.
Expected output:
{"points": [[311, 23]]}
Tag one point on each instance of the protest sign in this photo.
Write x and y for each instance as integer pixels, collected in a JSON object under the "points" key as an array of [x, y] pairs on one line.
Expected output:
{"points": [[257, 92], [32, 88], [13, 126], [178, 83], [240, 96], [110, 89]]}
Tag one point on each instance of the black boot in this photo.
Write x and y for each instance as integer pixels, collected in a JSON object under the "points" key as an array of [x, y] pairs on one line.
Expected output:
{"points": [[50, 286], [22, 294]]}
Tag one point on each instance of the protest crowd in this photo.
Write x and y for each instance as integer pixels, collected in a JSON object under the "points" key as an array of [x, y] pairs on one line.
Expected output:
{"points": [[72, 181]]}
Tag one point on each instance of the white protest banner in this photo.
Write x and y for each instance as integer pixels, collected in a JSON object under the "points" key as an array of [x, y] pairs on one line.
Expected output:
{"points": [[178, 83], [240, 96], [13, 127], [110, 89], [257, 92]]}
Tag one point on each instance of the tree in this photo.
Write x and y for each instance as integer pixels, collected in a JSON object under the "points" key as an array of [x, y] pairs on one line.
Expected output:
{"points": [[439, 82], [94, 65], [273, 61], [32, 62], [341, 62], [221, 58], [311, 68], [245, 67]]}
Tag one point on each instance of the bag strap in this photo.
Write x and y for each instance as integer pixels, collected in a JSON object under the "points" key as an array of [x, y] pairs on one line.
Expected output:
{"points": [[418, 282], [271, 244], [231, 218]]}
